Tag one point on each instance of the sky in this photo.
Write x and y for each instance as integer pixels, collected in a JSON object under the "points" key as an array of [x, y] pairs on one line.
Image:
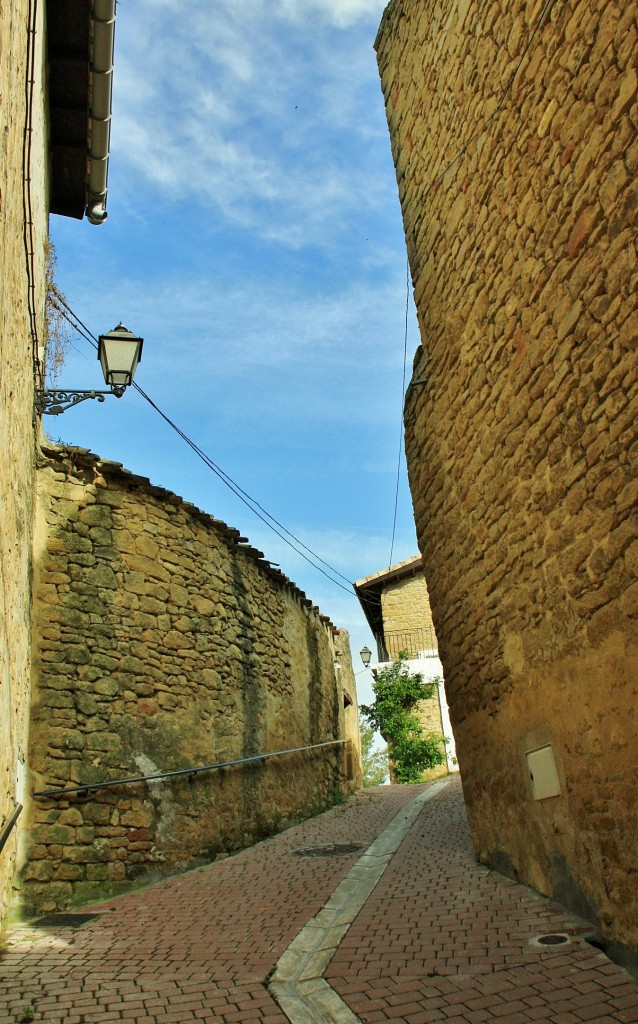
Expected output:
{"points": [[254, 240]]}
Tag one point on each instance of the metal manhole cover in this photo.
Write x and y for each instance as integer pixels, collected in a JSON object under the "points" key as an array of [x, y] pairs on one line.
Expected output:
{"points": [[332, 850], [553, 939], [64, 920]]}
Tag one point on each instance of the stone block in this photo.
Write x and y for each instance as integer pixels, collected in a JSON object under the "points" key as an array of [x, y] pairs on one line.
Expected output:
{"points": [[68, 873], [96, 515], [96, 872], [97, 813], [53, 834], [38, 871], [65, 739]]}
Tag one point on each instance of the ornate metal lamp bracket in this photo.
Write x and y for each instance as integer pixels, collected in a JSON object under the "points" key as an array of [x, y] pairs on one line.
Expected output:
{"points": [[54, 402]]}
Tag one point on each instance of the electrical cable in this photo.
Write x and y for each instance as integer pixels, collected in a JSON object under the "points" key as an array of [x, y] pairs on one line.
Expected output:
{"points": [[240, 494], [27, 198], [243, 496], [405, 356]]}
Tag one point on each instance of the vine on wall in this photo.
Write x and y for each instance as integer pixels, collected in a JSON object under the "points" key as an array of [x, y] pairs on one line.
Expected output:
{"points": [[396, 695], [57, 335]]}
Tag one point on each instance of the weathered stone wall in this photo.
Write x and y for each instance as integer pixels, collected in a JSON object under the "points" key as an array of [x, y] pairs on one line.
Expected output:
{"points": [[164, 642], [513, 129], [16, 397], [429, 714], [348, 684], [406, 605]]}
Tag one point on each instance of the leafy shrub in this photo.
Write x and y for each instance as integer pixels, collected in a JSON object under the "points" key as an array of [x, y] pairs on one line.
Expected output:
{"points": [[396, 695]]}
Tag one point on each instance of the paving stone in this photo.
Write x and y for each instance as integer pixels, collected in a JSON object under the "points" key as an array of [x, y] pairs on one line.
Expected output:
{"points": [[439, 940]]}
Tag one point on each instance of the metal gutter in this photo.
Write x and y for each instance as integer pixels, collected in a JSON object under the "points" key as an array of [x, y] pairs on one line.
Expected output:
{"points": [[101, 71]]}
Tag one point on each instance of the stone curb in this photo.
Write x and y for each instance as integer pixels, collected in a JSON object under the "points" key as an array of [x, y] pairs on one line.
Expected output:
{"points": [[297, 983]]}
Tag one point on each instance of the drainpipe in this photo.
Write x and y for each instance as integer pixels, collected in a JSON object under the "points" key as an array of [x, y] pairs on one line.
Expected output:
{"points": [[103, 28]]}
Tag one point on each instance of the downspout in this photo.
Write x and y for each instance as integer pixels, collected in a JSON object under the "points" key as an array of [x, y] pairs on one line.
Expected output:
{"points": [[103, 31]]}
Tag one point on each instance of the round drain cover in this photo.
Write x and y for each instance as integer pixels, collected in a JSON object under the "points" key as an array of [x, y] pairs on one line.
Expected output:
{"points": [[552, 940]]}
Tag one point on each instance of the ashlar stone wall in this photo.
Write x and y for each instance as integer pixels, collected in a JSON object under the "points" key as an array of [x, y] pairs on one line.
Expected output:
{"points": [[22, 278], [514, 134], [165, 642], [405, 604]]}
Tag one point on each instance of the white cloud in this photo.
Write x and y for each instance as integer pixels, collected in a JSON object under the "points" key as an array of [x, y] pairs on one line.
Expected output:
{"points": [[342, 14], [250, 109]]}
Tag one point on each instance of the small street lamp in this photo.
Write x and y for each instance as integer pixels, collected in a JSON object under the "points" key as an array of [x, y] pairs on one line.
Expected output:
{"points": [[119, 352], [366, 654]]}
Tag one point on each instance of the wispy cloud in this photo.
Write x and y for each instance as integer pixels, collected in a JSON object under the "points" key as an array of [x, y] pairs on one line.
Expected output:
{"points": [[219, 108], [340, 13]]}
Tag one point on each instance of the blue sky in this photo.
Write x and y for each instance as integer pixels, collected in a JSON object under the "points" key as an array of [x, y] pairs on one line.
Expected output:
{"points": [[254, 240]]}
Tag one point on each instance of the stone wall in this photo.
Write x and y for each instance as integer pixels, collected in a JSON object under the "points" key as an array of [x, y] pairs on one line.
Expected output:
{"points": [[513, 129], [16, 396], [165, 642], [348, 683], [406, 605]]}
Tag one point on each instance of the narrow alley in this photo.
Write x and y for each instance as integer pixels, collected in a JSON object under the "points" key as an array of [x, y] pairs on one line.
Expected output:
{"points": [[373, 911]]}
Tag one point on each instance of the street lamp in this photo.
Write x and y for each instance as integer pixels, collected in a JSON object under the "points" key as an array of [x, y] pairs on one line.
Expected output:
{"points": [[366, 654], [119, 352]]}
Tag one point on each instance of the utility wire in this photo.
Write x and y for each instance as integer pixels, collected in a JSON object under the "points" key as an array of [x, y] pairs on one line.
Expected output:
{"points": [[237, 491], [405, 356], [243, 496]]}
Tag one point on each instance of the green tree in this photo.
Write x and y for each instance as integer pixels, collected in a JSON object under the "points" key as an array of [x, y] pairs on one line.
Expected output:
{"points": [[375, 762], [396, 695]]}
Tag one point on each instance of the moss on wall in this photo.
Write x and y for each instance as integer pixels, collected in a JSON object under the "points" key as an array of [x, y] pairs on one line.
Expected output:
{"points": [[165, 642]]}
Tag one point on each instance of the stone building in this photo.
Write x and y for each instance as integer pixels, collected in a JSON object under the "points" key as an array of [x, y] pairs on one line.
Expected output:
{"points": [[513, 129], [396, 605], [49, 61]]}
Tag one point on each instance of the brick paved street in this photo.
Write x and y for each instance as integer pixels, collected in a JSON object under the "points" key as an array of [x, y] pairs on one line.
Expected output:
{"points": [[443, 938], [440, 938]]}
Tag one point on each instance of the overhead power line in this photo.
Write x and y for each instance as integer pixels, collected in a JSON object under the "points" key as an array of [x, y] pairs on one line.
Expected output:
{"points": [[405, 356], [289, 538]]}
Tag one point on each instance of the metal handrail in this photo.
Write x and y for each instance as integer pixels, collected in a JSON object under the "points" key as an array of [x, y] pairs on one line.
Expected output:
{"points": [[6, 832], [182, 771]]}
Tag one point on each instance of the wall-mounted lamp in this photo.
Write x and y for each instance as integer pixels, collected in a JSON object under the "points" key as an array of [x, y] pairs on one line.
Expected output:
{"points": [[366, 654], [119, 352]]}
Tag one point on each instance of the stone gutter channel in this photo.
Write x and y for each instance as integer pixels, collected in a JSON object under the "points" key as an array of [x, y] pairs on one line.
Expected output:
{"points": [[297, 983]]}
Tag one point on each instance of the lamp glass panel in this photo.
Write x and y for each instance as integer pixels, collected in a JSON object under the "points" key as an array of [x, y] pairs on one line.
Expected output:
{"points": [[119, 358]]}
